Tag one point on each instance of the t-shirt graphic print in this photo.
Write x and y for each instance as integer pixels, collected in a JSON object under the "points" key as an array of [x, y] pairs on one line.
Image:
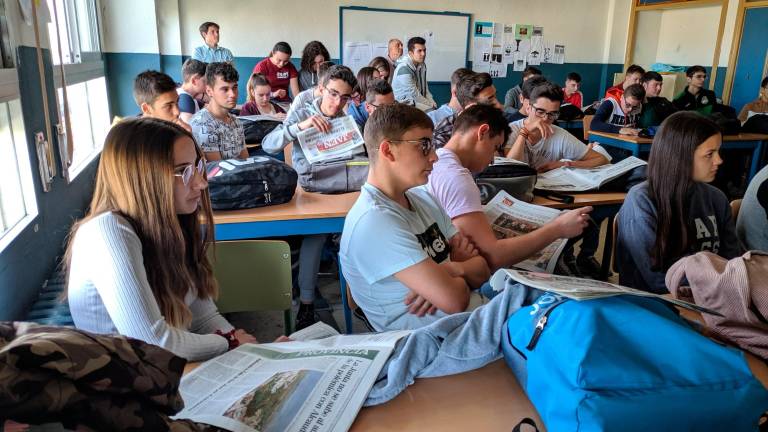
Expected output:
{"points": [[434, 243]]}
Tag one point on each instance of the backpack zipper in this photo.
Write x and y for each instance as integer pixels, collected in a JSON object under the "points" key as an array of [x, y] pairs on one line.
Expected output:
{"points": [[540, 324]]}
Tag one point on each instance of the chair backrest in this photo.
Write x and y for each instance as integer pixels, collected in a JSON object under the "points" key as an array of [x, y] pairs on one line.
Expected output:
{"points": [[253, 275], [615, 231], [587, 124], [735, 207]]}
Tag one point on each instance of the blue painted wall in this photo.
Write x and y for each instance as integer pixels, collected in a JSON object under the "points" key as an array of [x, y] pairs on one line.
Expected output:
{"points": [[34, 254]]}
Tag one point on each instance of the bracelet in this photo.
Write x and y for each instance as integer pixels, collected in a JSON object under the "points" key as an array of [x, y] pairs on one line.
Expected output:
{"points": [[230, 337], [524, 132]]}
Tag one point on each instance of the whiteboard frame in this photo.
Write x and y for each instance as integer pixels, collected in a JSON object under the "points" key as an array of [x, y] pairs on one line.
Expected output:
{"points": [[406, 11]]}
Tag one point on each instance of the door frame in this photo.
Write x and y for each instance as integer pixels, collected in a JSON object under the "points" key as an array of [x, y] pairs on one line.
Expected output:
{"points": [[738, 32]]}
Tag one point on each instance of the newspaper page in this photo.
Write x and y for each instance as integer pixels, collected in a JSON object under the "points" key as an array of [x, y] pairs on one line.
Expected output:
{"points": [[498, 160], [260, 117], [510, 217], [583, 289], [342, 140], [583, 179], [300, 386], [318, 330]]}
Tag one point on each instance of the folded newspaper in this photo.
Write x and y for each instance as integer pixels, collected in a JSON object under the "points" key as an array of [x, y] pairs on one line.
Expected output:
{"points": [[510, 217], [300, 386], [344, 139], [583, 179], [582, 289], [260, 117]]}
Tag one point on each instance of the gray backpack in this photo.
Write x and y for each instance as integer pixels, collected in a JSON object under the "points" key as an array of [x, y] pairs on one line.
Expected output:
{"points": [[336, 176]]}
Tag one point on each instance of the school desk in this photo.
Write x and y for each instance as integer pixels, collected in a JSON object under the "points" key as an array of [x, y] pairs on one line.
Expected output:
{"points": [[639, 145]]}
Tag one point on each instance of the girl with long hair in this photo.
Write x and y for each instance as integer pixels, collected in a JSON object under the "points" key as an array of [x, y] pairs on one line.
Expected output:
{"points": [[675, 212], [257, 102], [384, 67], [312, 56], [137, 263]]}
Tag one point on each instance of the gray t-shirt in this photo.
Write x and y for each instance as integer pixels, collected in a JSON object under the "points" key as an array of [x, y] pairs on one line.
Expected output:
{"points": [[561, 145], [217, 136], [752, 224]]}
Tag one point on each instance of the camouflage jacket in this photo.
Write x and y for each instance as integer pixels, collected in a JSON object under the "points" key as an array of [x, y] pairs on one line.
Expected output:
{"points": [[60, 374]]}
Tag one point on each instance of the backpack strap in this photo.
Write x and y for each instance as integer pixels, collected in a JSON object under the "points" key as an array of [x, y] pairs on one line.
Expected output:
{"points": [[527, 421]]}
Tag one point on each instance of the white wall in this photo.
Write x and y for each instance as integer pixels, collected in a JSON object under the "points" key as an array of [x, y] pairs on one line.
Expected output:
{"points": [[129, 26], [688, 36]]}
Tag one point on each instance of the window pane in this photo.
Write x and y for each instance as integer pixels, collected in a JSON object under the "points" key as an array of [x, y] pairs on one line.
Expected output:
{"points": [[79, 116], [58, 26], [97, 99], [11, 199]]}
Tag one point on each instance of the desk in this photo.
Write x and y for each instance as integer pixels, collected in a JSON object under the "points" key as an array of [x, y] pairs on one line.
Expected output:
{"points": [[639, 145]]}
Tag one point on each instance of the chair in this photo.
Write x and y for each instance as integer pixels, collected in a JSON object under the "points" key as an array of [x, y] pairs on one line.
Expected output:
{"points": [[615, 231], [587, 124], [253, 275], [735, 207]]}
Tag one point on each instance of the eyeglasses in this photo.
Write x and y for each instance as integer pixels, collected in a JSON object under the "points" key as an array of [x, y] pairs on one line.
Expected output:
{"points": [[552, 115], [189, 170], [426, 144], [629, 107], [344, 98], [382, 104], [700, 76]]}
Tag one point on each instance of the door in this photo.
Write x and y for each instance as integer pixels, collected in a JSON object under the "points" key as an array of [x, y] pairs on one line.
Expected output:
{"points": [[753, 55]]}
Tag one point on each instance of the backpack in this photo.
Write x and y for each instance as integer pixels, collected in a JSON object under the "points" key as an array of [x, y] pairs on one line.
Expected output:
{"points": [[628, 363], [247, 183], [570, 112], [336, 176], [727, 125], [255, 131], [517, 180], [756, 124]]}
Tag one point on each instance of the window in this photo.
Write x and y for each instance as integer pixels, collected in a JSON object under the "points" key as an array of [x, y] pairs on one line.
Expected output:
{"points": [[81, 89]]}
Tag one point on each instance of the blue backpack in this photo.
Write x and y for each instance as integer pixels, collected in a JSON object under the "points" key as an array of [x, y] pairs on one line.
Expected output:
{"points": [[628, 363]]}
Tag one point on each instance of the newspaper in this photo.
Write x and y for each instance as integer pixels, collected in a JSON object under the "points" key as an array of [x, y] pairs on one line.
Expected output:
{"points": [[581, 179], [582, 289], [300, 386], [498, 160], [260, 117], [318, 330], [510, 217], [344, 139]]}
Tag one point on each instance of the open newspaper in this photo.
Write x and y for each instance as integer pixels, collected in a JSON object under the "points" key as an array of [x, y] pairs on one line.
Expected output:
{"points": [[304, 385], [583, 179], [510, 217], [582, 289], [342, 140], [260, 117]]}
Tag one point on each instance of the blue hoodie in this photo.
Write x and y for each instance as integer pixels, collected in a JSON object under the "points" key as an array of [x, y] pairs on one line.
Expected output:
{"points": [[358, 113]]}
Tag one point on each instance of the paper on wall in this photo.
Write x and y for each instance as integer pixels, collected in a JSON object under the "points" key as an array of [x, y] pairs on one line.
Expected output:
{"points": [[523, 31], [520, 62], [510, 44], [559, 55], [482, 46], [379, 49], [498, 68], [537, 51], [538, 31], [548, 52], [357, 55]]}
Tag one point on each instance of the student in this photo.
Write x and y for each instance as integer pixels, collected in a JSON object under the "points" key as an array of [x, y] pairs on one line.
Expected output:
{"points": [[155, 94], [406, 264], [571, 90], [381, 64], [216, 130], [310, 94], [192, 90], [632, 76], [280, 72], [695, 97], [137, 263], [479, 131], [759, 105], [313, 54], [472, 89], [675, 212], [655, 108], [336, 87], [620, 115], [453, 106], [211, 52], [410, 80], [512, 101], [524, 97], [365, 76], [394, 51], [752, 223], [258, 102], [379, 94]]}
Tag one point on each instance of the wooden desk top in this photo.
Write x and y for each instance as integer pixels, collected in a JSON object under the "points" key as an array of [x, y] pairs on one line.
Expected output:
{"points": [[641, 140], [582, 199], [304, 205], [486, 399]]}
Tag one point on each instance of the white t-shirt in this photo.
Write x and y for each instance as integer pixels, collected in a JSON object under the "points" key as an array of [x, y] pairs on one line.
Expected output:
{"points": [[381, 238], [561, 145]]}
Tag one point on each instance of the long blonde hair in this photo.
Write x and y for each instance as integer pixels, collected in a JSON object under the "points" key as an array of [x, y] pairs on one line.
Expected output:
{"points": [[135, 180]]}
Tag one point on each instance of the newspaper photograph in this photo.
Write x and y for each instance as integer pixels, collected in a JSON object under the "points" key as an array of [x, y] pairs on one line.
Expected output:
{"points": [[584, 179], [510, 217], [344, 139], [302, 386], [582, 289]]}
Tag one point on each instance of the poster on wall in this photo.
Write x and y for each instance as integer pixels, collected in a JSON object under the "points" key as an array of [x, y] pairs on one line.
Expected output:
{"points": [[520, 62], [523, 31], [559, 55], [498, 69], [482, 46], [537, 31], [548, 53], [357, 55], [537, 50], [510, 44]]}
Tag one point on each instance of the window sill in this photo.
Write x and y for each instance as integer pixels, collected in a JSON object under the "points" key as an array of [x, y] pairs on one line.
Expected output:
{"points": [[74, 171], [9, 236]]}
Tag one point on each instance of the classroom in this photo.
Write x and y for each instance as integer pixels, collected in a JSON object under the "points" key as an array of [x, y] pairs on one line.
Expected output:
{"points": [[381, 215]]}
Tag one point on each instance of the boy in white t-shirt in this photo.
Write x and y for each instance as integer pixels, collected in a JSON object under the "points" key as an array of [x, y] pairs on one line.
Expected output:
{"points": [[405, 262]]}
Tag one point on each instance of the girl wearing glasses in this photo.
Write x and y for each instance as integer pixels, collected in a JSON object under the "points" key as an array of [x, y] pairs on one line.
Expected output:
{"points": [[137, 263], [675, 212]]}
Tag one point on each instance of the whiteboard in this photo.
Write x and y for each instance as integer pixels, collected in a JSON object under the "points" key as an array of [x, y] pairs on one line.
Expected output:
{"points": [[449, 34]]}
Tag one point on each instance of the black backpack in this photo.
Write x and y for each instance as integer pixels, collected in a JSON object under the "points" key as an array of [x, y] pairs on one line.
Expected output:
{"points": [[727, 124], [756, 124], [570, 112], [247, 183], [517, 180], [255, 131]]}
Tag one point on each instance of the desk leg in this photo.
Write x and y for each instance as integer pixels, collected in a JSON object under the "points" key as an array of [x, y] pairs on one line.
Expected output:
{"points": [[756, 154], [605, 266], [344, 304]]}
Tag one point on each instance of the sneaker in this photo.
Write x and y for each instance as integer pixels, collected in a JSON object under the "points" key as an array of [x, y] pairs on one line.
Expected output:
{"points": [[306, 316], [359, 314], [590, 267]]}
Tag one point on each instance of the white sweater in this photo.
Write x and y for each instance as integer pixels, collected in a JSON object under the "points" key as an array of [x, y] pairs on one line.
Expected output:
{"points": [[109, 293]]}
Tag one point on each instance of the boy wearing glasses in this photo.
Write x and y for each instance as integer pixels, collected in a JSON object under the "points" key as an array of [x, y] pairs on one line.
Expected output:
{"points": [[406, 264], [335, 90], [695, 97], [620, 115], [479, 131], [379, 93], [218, 132]]}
